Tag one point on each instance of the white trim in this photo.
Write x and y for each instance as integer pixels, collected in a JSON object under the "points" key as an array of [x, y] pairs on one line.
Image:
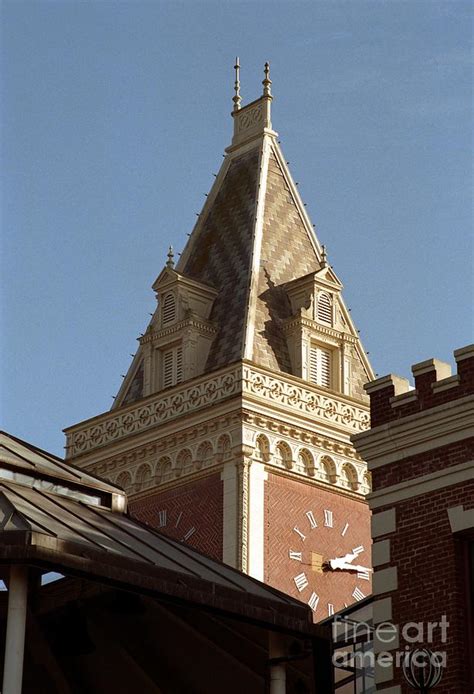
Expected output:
{"points": [[230, 513], [382, 610], [425, 484], [383, 523], [380, 553], [385, 580], [460, 519], [256, 521], [259, 216]]}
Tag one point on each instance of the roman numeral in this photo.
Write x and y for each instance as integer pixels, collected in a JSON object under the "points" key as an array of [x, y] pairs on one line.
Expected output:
{"points": [[345, 529], [295, 555], [328, 518], [178, 519], [301, 581], [358, 594], [297, 530], [330, 609], [312, 519], [358, 550], [313, 601], [162, 518], [190, 532], [364, 575]]}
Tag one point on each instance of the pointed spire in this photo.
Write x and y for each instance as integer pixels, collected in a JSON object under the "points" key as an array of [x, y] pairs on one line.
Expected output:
{"points": [[324, 258], [170, 261], [267, 83], [237, 99]]}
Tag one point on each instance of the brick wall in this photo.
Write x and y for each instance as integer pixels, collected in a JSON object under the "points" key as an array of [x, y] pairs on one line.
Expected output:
{"points": [[192, 513], [430, 560], [286, 505]]}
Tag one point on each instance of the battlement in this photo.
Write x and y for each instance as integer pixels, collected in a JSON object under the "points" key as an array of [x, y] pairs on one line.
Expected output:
{"points": [[392, 397]]}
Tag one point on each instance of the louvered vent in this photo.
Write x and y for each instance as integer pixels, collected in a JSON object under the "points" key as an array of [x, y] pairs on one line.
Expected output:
{"points": [[179, 365], [169, 309], [168, 369], [324, 308], [320, 366]]}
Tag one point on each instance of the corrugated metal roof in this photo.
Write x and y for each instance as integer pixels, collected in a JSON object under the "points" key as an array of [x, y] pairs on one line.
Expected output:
{"points": [[29, 459], [51, 517]]}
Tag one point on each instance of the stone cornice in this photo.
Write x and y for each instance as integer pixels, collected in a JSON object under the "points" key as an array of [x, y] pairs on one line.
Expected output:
{"points": [[256, 386], [417, 433], [194, 322], [314, 326]]}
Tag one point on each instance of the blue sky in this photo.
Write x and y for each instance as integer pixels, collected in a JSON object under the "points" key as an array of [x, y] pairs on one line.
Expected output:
{"points": [[115, 116]]}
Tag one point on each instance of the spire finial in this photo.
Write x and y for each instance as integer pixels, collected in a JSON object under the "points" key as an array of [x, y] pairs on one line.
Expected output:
{"points": [[170, 261], [324, 258], [267, 83], [237, 98]]}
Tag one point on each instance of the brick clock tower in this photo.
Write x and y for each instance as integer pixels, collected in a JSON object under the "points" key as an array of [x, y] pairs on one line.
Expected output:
{"points": [[232, 427]]}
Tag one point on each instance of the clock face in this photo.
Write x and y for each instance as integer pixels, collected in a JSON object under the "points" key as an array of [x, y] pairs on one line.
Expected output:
{"points": [[329, 565]]}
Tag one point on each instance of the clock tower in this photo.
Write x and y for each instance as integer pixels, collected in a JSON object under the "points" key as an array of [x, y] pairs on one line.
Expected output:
{"points": [[232, 427]]}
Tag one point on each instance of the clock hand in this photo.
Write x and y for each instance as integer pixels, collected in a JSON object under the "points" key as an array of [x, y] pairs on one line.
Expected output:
{"points": [[339, 561], [354, 567]]}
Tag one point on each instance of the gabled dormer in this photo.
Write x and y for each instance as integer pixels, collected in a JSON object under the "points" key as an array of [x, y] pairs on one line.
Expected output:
{"points": [[176, 343], [322, 341]]}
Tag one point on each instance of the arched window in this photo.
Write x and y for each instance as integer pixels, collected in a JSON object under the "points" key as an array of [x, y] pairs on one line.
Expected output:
{"points": [[262, 448], [168, 311], [283, 457], [305, 462], [124, 480], [324, 311], [349, 477]]}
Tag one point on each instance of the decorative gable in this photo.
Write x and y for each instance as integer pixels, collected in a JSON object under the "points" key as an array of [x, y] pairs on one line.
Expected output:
{"points": [[323, 344]]}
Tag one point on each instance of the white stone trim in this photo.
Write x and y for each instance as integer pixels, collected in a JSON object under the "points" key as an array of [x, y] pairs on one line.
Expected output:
{"points": [[385, 580], [256, 527], [259, 216], [416, 433], [447, 477], [381, 553], [383, 674], [441, 368], [404, 398], [460, 519], [382, 610], [466, 352], [446, 384], [383, 523], [230, 514], [390, 640]]}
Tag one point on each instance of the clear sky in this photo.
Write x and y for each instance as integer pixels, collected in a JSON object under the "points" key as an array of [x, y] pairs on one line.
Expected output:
{"points": [[115, 116]]}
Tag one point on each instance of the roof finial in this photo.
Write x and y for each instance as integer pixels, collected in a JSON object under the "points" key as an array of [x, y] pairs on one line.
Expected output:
{"points": [[267, 83], [237, 98], [324, 258], [170, 261]]}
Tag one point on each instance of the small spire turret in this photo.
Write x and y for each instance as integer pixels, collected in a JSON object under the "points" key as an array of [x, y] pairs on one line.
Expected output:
{"points": [[170, 261], [324, 258], [237, 99], [267, 83]]}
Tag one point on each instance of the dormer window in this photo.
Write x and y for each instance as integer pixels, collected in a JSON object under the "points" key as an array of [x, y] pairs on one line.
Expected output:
{"points": [[168, 311], [320, 362], [172, 366], [324, 308]]}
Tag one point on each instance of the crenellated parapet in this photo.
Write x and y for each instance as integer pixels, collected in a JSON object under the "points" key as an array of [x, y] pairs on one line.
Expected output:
{"points": [[392, 397]]}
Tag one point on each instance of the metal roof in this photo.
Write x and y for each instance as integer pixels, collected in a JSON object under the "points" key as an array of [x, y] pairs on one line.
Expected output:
{"points": [[75, 534]]}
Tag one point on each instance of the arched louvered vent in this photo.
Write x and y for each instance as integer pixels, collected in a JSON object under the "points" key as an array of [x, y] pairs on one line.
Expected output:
{"points": [[168, 314], [324, 314], [320, 366]]}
